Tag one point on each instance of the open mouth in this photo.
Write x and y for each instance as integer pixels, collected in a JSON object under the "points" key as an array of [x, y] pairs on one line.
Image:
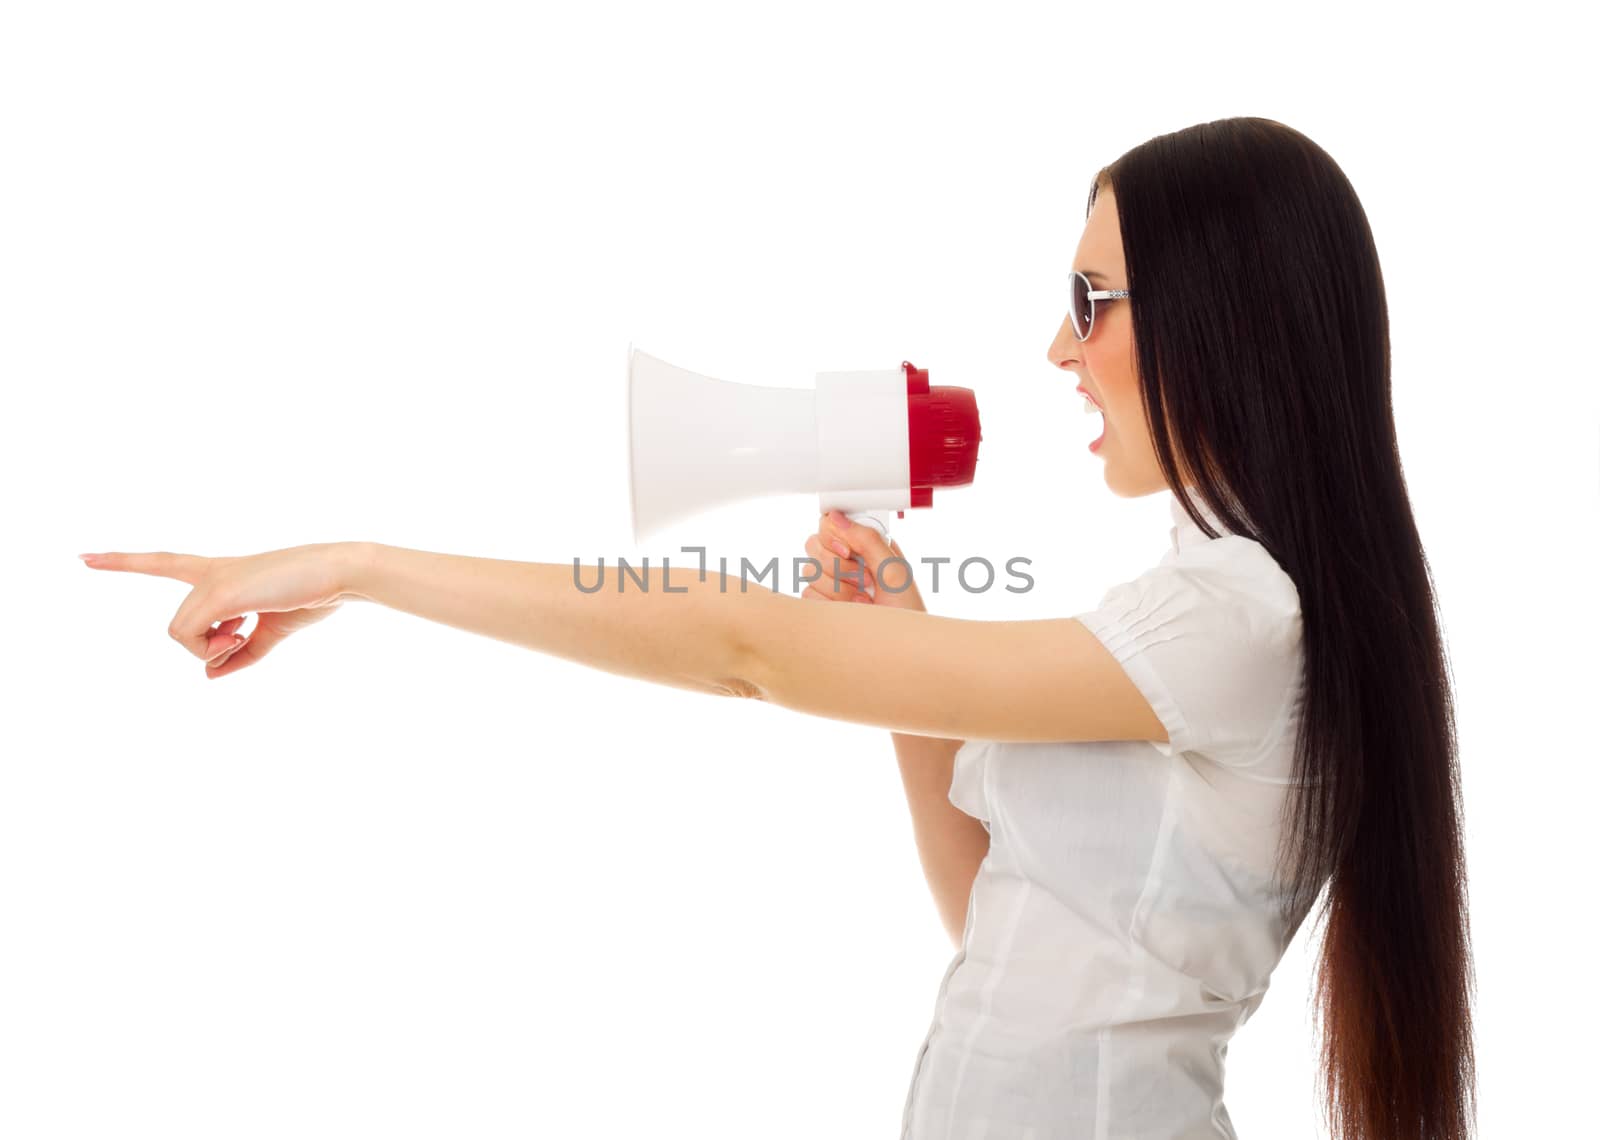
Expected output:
{"points": [[1092, 408]]}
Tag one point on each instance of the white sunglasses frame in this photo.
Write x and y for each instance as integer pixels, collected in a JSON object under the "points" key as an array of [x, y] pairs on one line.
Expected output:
{"points": [[1093, 295]]}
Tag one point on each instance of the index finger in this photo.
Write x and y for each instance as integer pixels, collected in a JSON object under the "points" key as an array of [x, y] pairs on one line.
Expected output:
{"points": [[188, 568], [831, 526]]}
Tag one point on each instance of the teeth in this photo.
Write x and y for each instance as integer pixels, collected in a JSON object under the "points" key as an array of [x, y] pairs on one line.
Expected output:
{"points": [[1089, 406]]}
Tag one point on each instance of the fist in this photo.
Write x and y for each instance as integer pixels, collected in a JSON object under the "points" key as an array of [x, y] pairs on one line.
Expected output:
{"points": [[858, 566]]}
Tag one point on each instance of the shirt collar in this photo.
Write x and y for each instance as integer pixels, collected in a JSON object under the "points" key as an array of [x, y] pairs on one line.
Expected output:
{"points": [[1186, 532]]}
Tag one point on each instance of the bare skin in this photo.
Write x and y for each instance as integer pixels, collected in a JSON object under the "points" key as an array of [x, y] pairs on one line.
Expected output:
{"points": [[946, 678], [1104, 364], [951, 845]]}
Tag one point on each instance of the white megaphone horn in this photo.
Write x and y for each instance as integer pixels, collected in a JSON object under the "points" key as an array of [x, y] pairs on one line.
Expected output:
{"points": [[870, 444]]}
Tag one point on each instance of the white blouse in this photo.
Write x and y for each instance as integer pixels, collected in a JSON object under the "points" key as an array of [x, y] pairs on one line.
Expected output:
{"points": [[1122, 925]]}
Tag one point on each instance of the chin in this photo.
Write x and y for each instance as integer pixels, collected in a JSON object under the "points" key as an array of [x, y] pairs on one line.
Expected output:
{"points": [[1121, 485], [1117, 484]]}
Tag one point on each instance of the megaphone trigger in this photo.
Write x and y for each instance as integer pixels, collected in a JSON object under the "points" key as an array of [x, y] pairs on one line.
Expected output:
{"points": [[877, 520]]}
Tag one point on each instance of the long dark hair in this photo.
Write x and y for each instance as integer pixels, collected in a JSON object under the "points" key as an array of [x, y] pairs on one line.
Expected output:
{"points": [[1261, 337]]}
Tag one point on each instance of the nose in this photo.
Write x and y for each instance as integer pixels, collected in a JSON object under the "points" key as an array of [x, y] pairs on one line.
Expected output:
{"points": [[1064, 349]]}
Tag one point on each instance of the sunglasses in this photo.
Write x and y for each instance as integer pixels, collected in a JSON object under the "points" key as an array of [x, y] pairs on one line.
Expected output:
{"points": [[1082, 303]]}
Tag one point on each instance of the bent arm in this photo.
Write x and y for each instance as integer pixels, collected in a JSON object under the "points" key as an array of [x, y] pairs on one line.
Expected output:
{"points": [[950, 843]]}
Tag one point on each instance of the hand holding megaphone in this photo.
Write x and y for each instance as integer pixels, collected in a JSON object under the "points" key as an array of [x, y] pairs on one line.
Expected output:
{"points": [[870, 444], [859, 565]]}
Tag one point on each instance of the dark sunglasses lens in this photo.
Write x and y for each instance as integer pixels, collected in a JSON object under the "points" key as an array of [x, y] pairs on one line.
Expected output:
{"points": [[1082, 310]]}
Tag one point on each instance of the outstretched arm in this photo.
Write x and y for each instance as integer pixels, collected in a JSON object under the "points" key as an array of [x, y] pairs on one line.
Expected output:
{"points": [[889, 668], [677, 630], [896, 669]]}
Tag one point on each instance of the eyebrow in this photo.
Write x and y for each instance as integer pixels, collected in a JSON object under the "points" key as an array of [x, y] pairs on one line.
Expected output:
{"points": [[1092, 274]]}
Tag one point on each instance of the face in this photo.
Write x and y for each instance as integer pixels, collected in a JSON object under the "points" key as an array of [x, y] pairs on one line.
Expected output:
{"points": [[1104, 364]]}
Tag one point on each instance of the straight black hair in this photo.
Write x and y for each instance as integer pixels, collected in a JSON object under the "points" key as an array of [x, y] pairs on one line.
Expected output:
{"points": [[1261, 339]]}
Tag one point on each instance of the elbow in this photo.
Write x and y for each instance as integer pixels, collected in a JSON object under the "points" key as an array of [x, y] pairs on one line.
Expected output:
{"points": [[743, 674], [739, 687]]}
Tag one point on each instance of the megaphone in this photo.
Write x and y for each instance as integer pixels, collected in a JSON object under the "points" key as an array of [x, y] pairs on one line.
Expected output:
{"points": [[870, 444]]}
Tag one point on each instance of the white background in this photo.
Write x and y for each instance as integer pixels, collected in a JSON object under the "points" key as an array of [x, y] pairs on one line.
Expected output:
{"points": [[305, 272]]}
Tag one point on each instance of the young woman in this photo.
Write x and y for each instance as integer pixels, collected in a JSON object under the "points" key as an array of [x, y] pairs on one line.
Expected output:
{"points": [[1127, 813]]}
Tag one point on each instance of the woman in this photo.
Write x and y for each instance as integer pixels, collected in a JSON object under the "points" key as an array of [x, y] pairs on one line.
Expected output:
{"points": [[1127, 813]]}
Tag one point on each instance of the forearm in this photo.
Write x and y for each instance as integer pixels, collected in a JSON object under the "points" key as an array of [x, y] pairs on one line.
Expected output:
{"points": [[950, 843], [679, 631]]}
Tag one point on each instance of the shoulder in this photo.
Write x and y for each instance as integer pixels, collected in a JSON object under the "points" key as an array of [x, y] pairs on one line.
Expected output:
{"points": [[1212, 635], [1236, 575]]}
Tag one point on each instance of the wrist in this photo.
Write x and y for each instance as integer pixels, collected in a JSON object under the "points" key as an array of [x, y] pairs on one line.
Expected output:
{"points": [[354, 566]]}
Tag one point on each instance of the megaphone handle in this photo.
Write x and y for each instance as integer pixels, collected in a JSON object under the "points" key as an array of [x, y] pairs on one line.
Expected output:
{"points": [[878, 521]]}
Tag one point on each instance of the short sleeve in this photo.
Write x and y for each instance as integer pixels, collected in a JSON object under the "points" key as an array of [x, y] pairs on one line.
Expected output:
{"points": [[1211, 637]]}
